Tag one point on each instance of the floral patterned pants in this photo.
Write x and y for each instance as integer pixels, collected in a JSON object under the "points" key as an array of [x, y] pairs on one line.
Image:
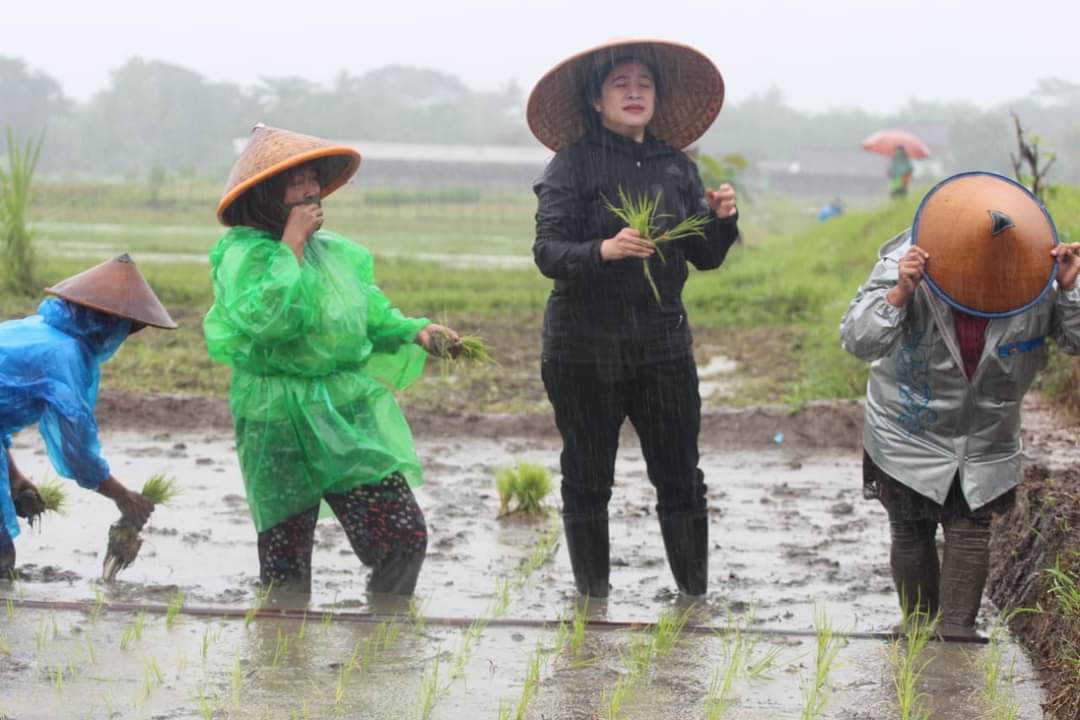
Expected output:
{"points": [[385, 527]]}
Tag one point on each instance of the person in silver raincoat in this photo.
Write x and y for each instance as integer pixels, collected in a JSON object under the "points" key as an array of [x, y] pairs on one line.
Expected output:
{"points": [[942, 425]]}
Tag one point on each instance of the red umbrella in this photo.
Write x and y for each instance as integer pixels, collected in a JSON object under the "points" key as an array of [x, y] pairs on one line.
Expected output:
{"points": [[885, 142]]}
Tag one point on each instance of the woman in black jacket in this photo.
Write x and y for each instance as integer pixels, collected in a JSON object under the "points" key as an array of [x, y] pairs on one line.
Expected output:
{"points": [[616, 342]]}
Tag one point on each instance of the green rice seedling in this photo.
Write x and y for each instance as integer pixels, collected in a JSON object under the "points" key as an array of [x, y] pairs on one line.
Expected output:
{"points": [[526, 484], [640, 214], [53, 495], [236, 678], [614, 699], [827, 645], [10, 605], [260, 599], [577, 635], [505, 710], [416, 613], [502, 597], [997, 681], [133, 632], [761, 667], [41, 634], [91, 650], [124, 534], [532, 682], [669, 627], [908, 664], [541, 552], [56, 678], [303, 628], [5, 646], [181, 663], [280, 649], [505, 479], [161, 489], [172, 612], [344, 675], [99, 603], [151, 677], [206, 710], [475, 350], [429, 689]]}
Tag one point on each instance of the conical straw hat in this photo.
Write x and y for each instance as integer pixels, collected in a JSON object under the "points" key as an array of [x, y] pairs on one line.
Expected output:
{"points": [[989, 241], [691, 86], [118, 288], [272, 150]]}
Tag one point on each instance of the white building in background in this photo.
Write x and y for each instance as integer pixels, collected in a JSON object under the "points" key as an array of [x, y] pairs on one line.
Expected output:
{"points": [[507, 168]]}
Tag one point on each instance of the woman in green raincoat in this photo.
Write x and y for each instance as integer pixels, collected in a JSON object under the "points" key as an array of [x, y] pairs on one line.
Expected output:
{"points": [[316, 350]]}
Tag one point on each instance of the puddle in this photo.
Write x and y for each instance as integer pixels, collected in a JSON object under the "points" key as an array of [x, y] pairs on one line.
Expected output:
{"points": [[789, 534]]}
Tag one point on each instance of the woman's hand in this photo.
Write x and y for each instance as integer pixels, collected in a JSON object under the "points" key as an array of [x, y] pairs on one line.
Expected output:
{"points": [[133, 506], [912, 269], [722, 201], [304, 219], [1068, 257], [439, 341], [627, 243]]}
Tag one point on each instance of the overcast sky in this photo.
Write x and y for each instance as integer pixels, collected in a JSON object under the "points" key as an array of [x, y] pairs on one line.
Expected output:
{"points": [[820, 54]]}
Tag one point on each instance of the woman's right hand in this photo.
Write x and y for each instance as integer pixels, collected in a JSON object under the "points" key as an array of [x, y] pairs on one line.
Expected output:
{"points": [[304, 219], [628, 243], [135, 507], [911, 271]]}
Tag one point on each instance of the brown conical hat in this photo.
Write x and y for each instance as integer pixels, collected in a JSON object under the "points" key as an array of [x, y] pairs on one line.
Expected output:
{"points": [[692, 92], [272, 150], [989, 241], [118, 288]]}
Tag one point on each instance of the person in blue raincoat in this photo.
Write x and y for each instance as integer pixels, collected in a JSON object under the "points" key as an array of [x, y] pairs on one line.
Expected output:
{"points": [[49, 372]]}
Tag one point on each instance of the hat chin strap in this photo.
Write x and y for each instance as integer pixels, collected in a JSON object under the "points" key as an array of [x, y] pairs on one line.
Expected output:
{"points": [[999, 222]]}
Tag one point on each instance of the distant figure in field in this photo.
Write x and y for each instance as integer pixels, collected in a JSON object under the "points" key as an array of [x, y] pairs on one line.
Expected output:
{"points": [[900, 170], [833, 209]]}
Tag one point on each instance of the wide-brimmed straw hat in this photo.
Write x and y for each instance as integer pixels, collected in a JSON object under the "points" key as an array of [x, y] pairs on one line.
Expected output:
{"points": [[118, 288], [989, 241], [272, 150], [692, 92]]}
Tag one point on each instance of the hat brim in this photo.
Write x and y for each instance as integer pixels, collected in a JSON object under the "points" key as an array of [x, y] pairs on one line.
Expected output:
{"points": [[343, 163], [692, 92]]}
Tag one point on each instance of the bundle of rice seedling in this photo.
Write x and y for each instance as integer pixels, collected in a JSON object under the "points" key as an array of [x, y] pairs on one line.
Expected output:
{"points": [[469, 348], [31, 502], [640, 214], [526, 484], [124, 538]]}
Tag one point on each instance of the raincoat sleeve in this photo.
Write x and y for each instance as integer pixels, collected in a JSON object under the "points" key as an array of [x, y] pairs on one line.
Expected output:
{"points": [[559, 250], [73, 447], [395, 358], [1065, 322], [708, 252], [872, 325], [259, 287]]}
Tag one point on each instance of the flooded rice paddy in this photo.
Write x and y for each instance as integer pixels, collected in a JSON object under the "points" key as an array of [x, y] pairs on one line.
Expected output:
{"points": [[792, 544]]}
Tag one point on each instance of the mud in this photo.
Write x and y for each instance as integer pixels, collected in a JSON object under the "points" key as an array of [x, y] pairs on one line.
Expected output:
{"points": [[790, 534], [1041, 531]]}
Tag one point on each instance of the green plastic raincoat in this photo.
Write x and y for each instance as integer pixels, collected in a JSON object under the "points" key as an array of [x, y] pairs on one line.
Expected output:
{"points": [[316, 349]]}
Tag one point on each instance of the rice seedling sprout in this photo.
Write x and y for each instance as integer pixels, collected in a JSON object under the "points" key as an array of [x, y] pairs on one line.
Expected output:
{"points": [[526, 484], [827, 646], [280, 649], [997, 680], [429, 690], [99, 603], [237, 679], [640, 214], [53, 495], [416, 612], [161, 489], [172, 612]]}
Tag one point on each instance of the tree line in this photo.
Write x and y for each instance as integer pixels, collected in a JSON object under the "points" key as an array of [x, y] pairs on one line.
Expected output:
{"points": [[156, 117]]}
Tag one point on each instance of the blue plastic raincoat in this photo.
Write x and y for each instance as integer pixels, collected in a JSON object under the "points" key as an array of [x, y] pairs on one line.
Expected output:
{"points": [[49, 374]]}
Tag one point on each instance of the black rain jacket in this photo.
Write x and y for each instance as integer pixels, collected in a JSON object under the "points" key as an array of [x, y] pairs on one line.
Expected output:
{"points": [[605, 312]]}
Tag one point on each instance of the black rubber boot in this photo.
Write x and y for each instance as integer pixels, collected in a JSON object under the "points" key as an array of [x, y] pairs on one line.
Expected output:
{"points": [[686, 539], [964, 568], [915, 568], [588, 544]]}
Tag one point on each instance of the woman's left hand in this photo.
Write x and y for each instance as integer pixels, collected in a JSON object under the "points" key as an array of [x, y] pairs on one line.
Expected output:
{"points": [[1068, 257], [439, 341], [722, 201]]}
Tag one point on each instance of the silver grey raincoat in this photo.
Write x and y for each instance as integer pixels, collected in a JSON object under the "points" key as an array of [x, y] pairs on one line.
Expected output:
{"points": [[925, 420]]}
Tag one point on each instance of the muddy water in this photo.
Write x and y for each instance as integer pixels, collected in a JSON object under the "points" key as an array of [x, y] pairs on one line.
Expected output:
{"points": [[789, 535]]}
